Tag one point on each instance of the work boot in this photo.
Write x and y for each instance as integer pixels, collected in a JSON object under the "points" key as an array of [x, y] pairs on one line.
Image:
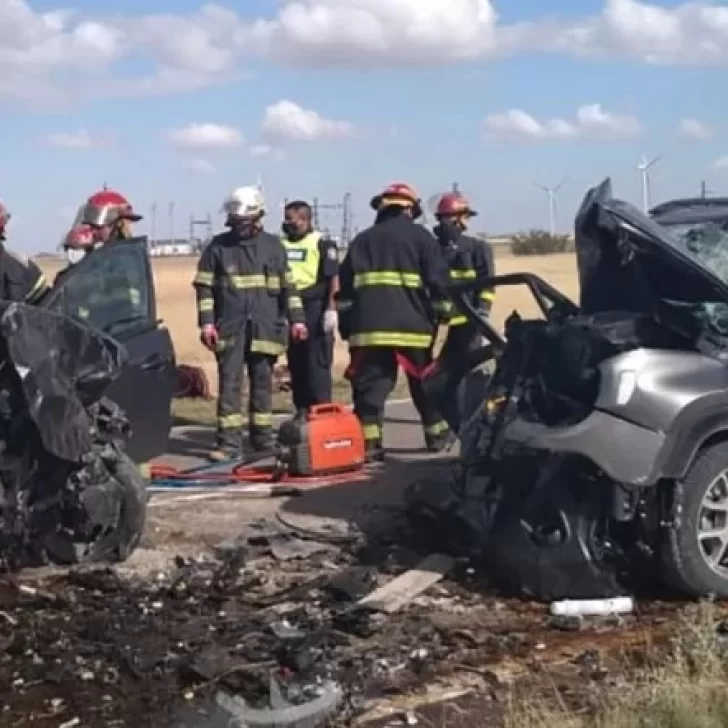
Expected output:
{"points": [[262, 441], [374, 453], [440, 442]]}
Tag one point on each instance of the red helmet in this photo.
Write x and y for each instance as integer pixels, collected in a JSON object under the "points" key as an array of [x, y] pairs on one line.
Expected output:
{"points": [[105, 208], [454, 204], [80, 237], [399, 194], [4, 219]]}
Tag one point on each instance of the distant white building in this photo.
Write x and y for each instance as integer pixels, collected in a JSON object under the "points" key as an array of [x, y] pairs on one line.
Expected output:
{"points": [[170, 248]]}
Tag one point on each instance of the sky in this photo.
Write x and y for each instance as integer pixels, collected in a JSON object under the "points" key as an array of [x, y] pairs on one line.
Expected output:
{"points": [[178, 102]]}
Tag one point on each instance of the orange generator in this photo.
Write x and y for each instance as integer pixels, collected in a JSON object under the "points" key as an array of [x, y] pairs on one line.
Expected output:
{"points": [[328, 440]]}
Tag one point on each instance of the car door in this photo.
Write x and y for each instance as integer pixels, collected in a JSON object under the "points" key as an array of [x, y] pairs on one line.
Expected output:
{"points": [[112, 290]]}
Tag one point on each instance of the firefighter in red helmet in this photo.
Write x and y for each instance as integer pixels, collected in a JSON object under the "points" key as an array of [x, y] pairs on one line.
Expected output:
{"points": [[21, 279], [393, 294], [467, 258], [109, 214], [105, 217]]}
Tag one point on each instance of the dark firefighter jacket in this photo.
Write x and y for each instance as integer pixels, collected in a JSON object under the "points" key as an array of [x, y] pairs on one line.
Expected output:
{"points": [[393, 286], [22, 280], [469, 258], [313, 261], [247, 282]]}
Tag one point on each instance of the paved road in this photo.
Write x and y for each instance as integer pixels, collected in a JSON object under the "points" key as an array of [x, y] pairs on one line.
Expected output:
{"points": [[189, 445], [184, 522]]}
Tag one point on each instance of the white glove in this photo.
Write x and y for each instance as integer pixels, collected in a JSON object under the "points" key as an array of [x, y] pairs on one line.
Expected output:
{"points": [[331, 321]]}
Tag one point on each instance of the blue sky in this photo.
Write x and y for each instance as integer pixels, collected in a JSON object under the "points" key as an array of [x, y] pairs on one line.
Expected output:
{"points": [[180, 102]]}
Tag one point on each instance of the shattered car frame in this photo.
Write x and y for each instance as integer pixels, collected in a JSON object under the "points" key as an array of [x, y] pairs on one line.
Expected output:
{"points": [[599, 451], [73, 370]]}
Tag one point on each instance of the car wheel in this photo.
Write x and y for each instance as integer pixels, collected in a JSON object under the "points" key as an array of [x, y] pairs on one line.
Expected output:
{"points": [[121, 542], [122, 497], [695, 549]]}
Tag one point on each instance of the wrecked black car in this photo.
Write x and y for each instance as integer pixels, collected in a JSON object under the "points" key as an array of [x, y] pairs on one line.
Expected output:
{"points": [[597, 453], [86, 381]]}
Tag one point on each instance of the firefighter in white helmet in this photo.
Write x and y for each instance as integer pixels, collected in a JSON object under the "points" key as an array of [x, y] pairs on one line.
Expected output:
{"points": [[247, 309]]}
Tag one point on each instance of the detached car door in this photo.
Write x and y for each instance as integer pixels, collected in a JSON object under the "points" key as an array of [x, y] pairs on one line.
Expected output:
{"points": [[113, 290]]}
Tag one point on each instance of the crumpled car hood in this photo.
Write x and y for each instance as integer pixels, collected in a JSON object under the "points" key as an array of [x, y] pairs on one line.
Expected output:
{"points": [[627, 261], [63, 367]]}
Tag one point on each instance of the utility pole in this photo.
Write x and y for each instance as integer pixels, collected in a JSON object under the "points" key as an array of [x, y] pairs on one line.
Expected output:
{"points": [[206, 224], [704, 191], [153, 221], [346, 221], [317, 207], [456, 188]]}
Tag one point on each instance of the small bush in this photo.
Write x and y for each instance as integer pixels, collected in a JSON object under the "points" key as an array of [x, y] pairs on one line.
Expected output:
{"points": [[681, 686], [539, 242]]}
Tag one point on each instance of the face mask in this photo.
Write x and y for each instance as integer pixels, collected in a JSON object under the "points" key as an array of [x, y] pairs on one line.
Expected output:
{"points": [[447, 232], [74, 255]]}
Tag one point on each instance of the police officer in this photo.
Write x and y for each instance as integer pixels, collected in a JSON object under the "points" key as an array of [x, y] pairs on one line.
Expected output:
{"points": [[393, 293], [245, 300], [21, 280], [467, 258], [314, 264]]}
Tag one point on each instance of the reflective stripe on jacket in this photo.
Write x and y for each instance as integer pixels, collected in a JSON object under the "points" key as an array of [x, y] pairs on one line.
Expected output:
{"points": [[240, 281], [393, 286]]}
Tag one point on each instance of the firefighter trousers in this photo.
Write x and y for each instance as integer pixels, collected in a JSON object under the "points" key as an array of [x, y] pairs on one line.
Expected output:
{"points": [[374, 374], [310, 361], [233, 357], [460, 341]]}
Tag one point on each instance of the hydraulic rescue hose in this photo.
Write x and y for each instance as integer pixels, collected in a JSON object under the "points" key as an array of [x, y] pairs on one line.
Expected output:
{"points": [[237, 472]]}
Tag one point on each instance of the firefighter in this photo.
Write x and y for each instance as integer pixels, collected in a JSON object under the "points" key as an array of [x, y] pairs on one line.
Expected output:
{"points": [[314, 264], [393, 293], [467, 258], [21, 279], [105, 217], [246, 300], [110, 215]]}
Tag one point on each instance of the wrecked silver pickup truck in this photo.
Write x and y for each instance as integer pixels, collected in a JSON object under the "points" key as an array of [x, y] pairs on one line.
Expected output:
{"points": [[596, 456]]}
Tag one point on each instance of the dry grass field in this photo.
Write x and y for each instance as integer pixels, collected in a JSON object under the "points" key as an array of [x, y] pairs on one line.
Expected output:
{"points": [[176, 299]]}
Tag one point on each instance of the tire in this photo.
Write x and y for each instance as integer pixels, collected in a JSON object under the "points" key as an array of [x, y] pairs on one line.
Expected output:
{"points": [[119, 544], [683, 562]]}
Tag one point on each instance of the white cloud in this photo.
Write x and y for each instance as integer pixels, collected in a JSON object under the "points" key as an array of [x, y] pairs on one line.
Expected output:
{"points": [[721, 163], [81, 139], [286, 121], [206, 136], [266, 150], [200, 166], [61, 55], [591, 122], [694, 129]]}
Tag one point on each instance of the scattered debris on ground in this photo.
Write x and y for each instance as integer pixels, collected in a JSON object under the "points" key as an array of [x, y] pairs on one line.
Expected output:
{"points": [[278, 629]]}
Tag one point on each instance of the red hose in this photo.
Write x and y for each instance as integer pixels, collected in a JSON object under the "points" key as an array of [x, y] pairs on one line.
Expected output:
{"points": [[256, 474]]}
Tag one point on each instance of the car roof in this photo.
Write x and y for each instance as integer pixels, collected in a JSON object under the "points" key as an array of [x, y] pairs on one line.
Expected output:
{"points": [[691, 210]]}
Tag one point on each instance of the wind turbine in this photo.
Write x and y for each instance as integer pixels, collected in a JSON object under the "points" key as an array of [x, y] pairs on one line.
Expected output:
{"points": [[551, 193], [644, 168]]}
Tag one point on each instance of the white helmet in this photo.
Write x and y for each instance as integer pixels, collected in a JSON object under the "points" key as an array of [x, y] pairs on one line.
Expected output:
{"points": [[244, 202]]}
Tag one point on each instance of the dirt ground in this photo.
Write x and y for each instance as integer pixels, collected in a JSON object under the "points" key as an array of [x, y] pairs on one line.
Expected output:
{"points": [[228, 592], [176, 300]]}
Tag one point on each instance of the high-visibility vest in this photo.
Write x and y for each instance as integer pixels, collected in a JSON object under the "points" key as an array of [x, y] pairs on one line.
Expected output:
{"points": [[304, 259]]}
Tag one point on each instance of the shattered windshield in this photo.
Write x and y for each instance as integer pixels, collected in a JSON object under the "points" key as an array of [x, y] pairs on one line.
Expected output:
{"points": [[708, 242]]}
